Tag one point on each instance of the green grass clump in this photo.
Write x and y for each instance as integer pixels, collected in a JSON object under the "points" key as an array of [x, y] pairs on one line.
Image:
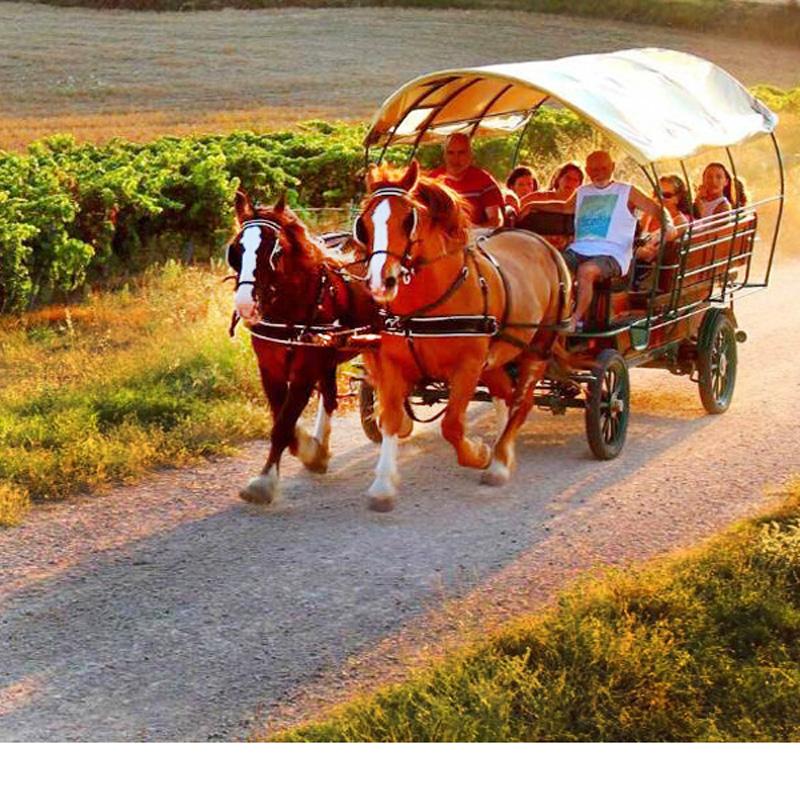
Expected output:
{"points": [[704, 646], [130, 381]]}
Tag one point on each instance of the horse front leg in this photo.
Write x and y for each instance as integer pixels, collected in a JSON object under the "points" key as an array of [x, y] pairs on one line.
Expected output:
{"points": [[471, 452], [314, 451], [392, 389], [504, 455], [263, 488]]}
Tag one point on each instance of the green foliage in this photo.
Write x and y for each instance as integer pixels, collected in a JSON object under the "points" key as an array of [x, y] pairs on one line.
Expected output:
{"points": [[705, 647], [780, 100]]}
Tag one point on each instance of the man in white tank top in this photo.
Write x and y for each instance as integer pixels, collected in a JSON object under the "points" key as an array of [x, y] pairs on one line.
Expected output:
{"points": [[605, 227]]}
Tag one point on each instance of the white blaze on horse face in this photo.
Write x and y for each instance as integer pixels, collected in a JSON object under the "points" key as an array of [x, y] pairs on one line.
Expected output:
{"points": [[250, 241], [380, 241]]}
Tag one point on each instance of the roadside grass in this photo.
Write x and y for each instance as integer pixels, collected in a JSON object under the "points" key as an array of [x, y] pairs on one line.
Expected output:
{"points": [[130, 381], [699, 646]]}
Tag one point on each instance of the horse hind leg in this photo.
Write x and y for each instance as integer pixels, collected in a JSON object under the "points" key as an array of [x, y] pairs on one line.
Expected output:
{"points": [[315, 451], [504, 455], [263, 489]]}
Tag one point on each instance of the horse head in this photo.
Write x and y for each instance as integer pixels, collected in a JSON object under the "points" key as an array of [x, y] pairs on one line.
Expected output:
{"points": [[268, 243], [406, 220]]}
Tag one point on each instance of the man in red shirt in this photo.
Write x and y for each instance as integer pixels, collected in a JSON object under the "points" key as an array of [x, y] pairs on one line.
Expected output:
{"points": [[474, 184]]}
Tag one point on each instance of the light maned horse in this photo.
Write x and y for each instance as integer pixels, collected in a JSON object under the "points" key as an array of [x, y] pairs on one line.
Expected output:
{"points": [[293, 281], [421, 264]]}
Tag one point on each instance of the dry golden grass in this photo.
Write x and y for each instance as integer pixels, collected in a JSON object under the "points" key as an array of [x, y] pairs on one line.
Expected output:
{"points": [[16, 133]]}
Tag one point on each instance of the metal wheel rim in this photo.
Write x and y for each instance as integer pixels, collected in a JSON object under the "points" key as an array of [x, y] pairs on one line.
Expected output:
{"points": [[720, 366], [612, 405]]}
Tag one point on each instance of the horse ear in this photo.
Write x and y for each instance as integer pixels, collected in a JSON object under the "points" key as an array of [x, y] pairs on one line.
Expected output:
{"points": [[280, 206], [409, 180], [243, 206]]}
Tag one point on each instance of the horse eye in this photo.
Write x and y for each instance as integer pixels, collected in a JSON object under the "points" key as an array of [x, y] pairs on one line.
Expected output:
{"points": [[233, 256], [360, 231]]}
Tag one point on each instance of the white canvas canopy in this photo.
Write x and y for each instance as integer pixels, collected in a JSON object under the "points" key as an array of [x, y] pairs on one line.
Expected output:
{"points": [[657, 104]]}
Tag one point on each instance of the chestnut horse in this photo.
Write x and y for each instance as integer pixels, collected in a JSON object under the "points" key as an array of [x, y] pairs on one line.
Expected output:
{"points": [[459, 311], [295, 296]]}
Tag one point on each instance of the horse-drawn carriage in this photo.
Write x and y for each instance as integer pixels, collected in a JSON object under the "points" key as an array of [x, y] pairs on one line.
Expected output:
{"points": [[677, 313], [454, 316]]}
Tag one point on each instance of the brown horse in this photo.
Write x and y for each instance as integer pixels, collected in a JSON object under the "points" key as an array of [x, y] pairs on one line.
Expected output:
{"points": [[459, 311], [297, 299]]}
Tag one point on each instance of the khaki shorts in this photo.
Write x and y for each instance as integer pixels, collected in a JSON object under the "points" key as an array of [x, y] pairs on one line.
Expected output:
{"points": [[609, 266]]}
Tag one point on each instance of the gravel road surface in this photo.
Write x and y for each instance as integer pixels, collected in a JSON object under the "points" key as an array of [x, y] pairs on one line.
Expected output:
{"points": [[173, 611]]}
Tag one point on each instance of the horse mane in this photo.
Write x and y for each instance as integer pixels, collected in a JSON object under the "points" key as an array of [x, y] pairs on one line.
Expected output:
{"points": [[305, 251], [446, 208]]}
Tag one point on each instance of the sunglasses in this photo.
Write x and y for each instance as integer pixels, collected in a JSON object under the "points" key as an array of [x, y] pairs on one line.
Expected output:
{"points": [[669, 195]]}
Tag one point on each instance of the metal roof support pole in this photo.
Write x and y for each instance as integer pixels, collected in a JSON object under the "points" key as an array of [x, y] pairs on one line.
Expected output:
{"points": [[653, 179], [686, 246], [436, 113], [525, 128], [780, 208], [413, 107], [737, 215]]}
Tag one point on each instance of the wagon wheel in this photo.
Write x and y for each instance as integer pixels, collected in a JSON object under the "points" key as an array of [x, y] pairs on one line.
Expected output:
{"points": [[608, 406], [369, 412], [716, 362]]}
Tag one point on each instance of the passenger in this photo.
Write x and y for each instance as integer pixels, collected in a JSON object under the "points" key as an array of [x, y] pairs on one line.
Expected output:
{"points": [[566, 179], [676, 202], [520, 182], [714, 193], [605, 226], [474, 184]]}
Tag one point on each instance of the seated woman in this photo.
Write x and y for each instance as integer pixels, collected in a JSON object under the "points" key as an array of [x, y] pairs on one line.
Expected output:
{"points": [[520, 182], [676, 202], [563, 184], [713, 195]]}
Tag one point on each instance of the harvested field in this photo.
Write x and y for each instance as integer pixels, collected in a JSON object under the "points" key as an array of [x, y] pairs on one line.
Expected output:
{"points": [[69, 69]]}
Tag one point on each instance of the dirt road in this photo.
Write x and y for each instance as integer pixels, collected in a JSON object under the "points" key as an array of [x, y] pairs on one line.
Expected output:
{"points": [[172, 611]]}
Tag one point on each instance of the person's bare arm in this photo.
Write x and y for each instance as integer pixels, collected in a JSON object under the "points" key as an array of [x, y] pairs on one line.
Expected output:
{"points": [[649, 206], [558, 206], [494, 216]]}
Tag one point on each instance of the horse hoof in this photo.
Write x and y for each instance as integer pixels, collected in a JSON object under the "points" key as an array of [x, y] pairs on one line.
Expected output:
{"points": [[260, 490], [497, 474], [307, 447], [381, 504], [318, 465]]}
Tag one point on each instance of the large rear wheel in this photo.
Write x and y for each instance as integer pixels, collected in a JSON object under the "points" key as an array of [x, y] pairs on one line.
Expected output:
{"points": [[608, 406], [716, 361]]}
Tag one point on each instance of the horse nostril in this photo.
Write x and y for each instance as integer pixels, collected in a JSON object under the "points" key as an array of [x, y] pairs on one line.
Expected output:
{"points": [[390, 282]]}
